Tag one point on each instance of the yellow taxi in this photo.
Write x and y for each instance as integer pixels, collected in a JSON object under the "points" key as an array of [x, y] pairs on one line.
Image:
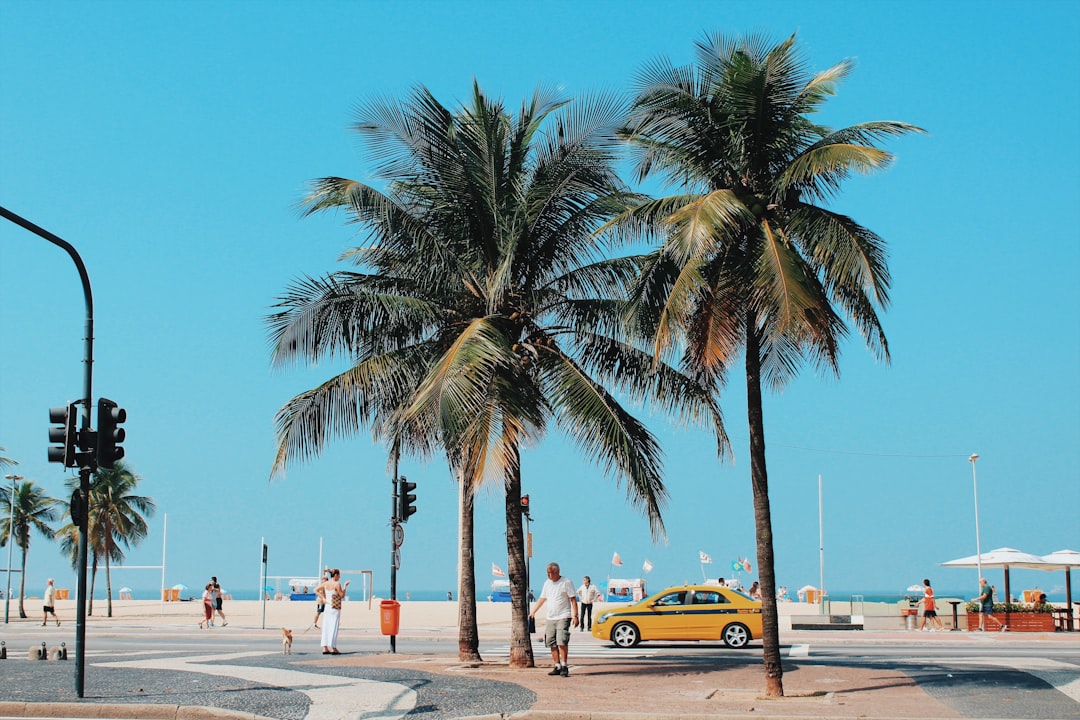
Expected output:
{"points": [[689, 612]]}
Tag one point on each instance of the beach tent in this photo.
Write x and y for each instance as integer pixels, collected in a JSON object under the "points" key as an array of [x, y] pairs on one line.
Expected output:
{"points": [[1004, 558]]}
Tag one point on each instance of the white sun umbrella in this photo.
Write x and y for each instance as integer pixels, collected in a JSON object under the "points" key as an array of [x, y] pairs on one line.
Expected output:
{"points": [[1063, 560], [1003, 558]]}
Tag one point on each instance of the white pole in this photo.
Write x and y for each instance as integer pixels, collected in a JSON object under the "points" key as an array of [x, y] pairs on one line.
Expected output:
{"points": [[318, 570], [821, 543], [11, 541], [975, 486], [164, 543]]}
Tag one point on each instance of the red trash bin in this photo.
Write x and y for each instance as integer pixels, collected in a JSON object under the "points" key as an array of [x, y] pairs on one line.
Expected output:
{"points": [[389, 616]]}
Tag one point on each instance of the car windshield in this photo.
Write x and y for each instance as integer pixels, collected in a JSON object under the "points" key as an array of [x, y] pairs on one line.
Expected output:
{"points": [[675, 598]]}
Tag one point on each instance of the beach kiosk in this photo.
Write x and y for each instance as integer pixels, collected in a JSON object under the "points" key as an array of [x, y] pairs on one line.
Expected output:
{"points": [[302, 588], [625, 590]]}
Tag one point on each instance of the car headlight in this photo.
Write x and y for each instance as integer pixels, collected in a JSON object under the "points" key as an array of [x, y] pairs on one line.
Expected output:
{"points": [[603, 618]]}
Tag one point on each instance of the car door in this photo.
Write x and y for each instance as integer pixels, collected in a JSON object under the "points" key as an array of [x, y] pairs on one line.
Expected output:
{"points": [[706, 614], [667, 620]]}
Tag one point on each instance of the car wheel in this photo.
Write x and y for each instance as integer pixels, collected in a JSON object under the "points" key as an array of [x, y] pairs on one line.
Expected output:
{"points": [[625, 635], [735, 635]]}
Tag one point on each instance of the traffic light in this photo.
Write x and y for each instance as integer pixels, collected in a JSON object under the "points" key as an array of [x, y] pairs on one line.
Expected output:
{"points": [[109, 433], [63, 432], [406, 498], [524, 504]]}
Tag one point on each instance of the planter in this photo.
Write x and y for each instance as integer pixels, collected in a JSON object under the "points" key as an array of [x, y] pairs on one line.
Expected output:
{"points": [[1017, 622]]}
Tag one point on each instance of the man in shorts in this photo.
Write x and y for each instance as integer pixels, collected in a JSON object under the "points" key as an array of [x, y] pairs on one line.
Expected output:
{"points": [[930, 609], [49, 603], [320, 599], [561, 598]]}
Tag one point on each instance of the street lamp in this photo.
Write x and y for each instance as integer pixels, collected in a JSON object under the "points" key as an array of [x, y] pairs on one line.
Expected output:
{"points": [[975, 485], [11, 540]]}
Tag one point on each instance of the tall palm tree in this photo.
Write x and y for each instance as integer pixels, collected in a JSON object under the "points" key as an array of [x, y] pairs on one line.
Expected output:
{"points": [[487, 308], [752, 259], [33, 510], [116, 517]]}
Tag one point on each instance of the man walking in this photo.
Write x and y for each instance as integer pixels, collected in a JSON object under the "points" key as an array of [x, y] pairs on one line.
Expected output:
{"points": [[929, 608], [587, 595], [558, 594], [49, 603]]}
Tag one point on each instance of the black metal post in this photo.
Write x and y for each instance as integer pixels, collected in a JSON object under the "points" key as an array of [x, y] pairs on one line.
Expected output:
{"points": [[86, 465]]}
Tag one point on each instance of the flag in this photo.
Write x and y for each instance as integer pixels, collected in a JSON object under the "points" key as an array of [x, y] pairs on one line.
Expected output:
{"points": [[616, 560], [746, 564], [497, 571], [646, 566], [705, 559], [736, 565]]}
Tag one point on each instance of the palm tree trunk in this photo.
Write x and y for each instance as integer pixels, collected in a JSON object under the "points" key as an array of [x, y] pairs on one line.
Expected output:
{"points": [[108, 582], [521, 655], [93, 580], [759, 479], [22, 584], [468, 633]]}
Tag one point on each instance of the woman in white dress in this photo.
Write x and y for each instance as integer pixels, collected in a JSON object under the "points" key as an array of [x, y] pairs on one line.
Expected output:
{"points": [[335, 593]]}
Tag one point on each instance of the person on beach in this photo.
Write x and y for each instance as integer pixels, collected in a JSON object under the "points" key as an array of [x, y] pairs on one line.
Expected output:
{"points": [[558, 593], [320, 599], [929, 608], [49, 598], [986, 605], [218, 600], [208, 606], [755, 591], [587, 595], [334, 592]]}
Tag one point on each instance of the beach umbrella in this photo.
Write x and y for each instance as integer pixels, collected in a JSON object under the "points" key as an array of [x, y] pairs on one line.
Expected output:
{"points": [[180, 586], [915, 587], [1003, 558], [1063, 560], [125, 589]]}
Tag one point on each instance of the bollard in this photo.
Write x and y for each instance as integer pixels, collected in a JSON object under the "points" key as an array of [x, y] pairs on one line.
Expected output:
{"points": [[63, 651], [3, 650], [57, 654], [38, 652]]}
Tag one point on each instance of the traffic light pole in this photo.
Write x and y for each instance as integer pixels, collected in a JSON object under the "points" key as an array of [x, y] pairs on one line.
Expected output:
{"points": [[85, 467], [395, 552]]}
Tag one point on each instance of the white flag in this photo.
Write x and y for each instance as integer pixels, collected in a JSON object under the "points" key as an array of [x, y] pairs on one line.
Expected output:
{"points": [[705, 559], [646, 566], [497, 571], [616, 560]]}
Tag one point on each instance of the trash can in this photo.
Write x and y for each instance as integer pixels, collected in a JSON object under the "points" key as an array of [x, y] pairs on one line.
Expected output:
{"points": [[909, 609], [389, 616]]}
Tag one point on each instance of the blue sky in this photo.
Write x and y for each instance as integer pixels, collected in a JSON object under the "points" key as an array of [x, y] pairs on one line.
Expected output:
{"points": [[170, 141]]}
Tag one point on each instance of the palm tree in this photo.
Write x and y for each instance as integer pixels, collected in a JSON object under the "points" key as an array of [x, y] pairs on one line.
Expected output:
{"points": [[116, 517], [33, 510], [752, 260], [488, 308]]}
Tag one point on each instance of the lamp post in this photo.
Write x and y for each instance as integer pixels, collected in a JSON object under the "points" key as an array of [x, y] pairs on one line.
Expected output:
{"points": [[975, 485], [11, 539]]}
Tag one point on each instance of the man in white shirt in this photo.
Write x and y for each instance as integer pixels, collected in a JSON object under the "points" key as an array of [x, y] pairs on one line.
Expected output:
{"points": [[587, 595], [559, 595]]}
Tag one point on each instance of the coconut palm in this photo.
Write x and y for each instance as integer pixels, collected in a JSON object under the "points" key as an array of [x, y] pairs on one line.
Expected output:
{"points": [[33, 510], [488, 308], [116, 517], [752, 260]]}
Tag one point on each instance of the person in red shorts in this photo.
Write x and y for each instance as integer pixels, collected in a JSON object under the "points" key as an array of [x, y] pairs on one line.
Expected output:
{"points": [[930, 609]]}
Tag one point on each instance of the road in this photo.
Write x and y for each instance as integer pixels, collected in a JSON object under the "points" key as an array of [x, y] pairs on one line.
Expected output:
{"points": [[243, 669]]}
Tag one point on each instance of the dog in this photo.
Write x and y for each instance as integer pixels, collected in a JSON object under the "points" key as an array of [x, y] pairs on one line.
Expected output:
{"points": [[286, 641]]}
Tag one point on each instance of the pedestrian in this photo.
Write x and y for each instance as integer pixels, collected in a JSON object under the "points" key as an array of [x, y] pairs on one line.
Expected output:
{"points": [[986, 605], [320, 598], [587, 595], [49, 603], [449, 594], [558, 594], [755, 591], [208, 606], [334, 593], [929, 609], [218, 600]]}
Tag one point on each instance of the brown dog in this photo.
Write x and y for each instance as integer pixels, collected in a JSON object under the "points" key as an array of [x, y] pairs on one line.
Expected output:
{"points": [[286, 641]]}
